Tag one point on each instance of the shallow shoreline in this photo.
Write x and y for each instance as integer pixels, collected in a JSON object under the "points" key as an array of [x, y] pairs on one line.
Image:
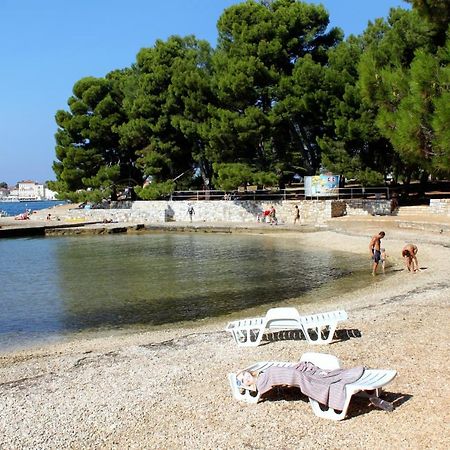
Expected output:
{"points": [[168, 388]]}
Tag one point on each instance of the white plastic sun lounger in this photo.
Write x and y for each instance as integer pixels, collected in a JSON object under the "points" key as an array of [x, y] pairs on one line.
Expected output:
{"points": [[244, 393], [317, 328], [369, 385], [320, 328]]}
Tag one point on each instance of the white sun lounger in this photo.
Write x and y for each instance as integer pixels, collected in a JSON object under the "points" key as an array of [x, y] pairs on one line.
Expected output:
{"points": [[369, 385], [320, 328], [317, 328]]}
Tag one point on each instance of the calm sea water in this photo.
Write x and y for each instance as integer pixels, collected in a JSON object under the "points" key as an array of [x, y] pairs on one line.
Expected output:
{"points": [[15, 208], [52, 287]]}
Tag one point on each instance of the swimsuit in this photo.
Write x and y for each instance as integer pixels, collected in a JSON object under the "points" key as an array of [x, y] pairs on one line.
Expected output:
{"points": [[376, 255]]}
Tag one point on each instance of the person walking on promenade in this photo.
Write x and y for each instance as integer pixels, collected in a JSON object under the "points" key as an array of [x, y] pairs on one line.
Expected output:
{"points": [[409, 253], [296, 214], [375, 250], [273, 216], [190, 211], [394, 203]]}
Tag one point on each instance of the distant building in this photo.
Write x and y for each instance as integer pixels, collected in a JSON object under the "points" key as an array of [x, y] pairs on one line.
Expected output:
{"points": [[31, 190], [3, 193], [49, 194]]}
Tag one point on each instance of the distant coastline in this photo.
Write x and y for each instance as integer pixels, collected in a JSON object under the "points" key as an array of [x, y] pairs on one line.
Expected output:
{"points": [[6, 200], [12, 208]]}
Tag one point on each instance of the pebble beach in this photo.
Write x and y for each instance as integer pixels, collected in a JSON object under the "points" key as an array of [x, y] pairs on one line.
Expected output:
{"points": [[167, 388]]}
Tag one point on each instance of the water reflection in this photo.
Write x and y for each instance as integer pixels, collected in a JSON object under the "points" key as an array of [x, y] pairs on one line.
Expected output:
{"points": [[156, 279], [67, 284]]}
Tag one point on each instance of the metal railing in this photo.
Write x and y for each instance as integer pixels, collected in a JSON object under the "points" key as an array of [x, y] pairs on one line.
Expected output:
{"points": [[374, 193]]}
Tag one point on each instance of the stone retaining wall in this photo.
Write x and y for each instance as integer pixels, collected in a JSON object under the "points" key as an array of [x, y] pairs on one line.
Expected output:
{"points": [[364, 207], [312, 212], [440, 206]]}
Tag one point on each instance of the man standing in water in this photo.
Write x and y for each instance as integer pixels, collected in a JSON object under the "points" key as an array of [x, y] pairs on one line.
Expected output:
{"points": [[375, 250]]}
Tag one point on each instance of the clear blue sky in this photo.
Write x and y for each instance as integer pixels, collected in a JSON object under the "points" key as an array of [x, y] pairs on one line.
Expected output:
{"points": [[47, 45]]}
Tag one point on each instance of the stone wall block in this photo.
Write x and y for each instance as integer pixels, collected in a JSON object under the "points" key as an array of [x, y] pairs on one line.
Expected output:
{"points": [[312, 212]]}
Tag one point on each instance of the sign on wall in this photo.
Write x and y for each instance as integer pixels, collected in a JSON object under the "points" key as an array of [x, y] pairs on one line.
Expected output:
{"points": [[322, 185]]}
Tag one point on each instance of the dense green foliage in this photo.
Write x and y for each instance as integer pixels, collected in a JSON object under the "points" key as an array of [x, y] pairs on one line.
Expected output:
{"points": [[231, 175], [281, 94], [404, 75]]}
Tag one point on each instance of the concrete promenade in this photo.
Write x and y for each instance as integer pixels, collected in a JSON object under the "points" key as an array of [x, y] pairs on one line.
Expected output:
{"points": [[431, 224]]}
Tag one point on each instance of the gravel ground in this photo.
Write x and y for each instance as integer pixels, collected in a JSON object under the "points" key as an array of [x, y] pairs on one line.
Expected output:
{"points": [[168, 388]]}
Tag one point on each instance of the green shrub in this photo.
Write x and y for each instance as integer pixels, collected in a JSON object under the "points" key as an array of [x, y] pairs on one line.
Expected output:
{"points": [[155, 191]]}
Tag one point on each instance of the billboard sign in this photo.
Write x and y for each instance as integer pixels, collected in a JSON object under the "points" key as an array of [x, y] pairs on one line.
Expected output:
{"points": [[322, 186]]}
